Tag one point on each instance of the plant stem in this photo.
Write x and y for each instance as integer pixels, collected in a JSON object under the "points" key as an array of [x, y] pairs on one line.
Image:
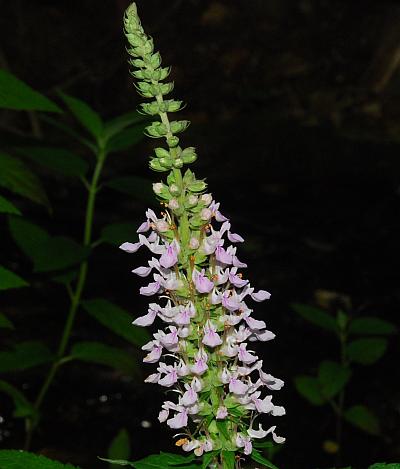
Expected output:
{"points": [[340, 403], [76, 295]]}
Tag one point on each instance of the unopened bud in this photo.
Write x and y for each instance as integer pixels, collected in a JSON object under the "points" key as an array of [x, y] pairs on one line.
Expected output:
{"points": [[162, 226], [192, 199], [173, 204], [205, 214], [174, 189], [194, 243], [158, 187], [206, 199]]}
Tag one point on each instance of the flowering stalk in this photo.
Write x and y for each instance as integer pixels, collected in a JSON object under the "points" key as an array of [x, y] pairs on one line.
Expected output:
{"points": [[202, 351]]}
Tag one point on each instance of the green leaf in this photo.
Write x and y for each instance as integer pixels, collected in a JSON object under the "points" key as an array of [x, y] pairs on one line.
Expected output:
{"points": [[89, 118], [22, 407], [56, 159], [363, 418], [309, 388], [366, 351], [118, 462], [10, 280], [207, 458], [7, 207], [5, 323], [158, 461], [228, 459], [223, 431], [117, 320], [383, 465], [332, 378], [102, 354], [14, 459], [17, 178], [47, 253], [134, 186], [117, 233], [24, 356], [17, 95], [256, 456], [120, 447], [316, 316], [119, 123], [125, 139], [371, 325], [71, 132]]}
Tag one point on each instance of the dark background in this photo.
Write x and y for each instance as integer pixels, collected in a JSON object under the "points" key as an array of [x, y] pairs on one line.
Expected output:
{"points": [[295, 115]]}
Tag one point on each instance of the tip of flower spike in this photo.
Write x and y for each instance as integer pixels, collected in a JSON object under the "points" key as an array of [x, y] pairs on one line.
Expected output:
{"points": [[131, 10]]}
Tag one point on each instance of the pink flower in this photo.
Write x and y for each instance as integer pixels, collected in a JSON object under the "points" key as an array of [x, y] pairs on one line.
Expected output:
{"points": [[211, 338], [201, 282]]}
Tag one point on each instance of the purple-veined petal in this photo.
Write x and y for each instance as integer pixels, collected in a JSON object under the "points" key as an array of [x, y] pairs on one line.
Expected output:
{"points": [[179, 421], [237, 387]]}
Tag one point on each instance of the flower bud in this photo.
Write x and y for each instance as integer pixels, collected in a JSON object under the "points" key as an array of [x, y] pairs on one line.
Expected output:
{"points": [[162, 226], [178, 163], [173, 204], [206, 199], [161, 153], [192, 199], [173, 141], [174, 189], [205, 214], [165, 162], [194, 243], [158, 187]]}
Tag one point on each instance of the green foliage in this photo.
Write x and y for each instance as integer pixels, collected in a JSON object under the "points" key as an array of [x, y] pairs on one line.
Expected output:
{"points": [[117, 320], [117, 233], [257, 457], [22, 407], [89, 118], [7, 207], [134, 186], [332, 378], [17, 178], [228, 459], [309, 388], [5, 323], [125, 139], [316, 316], [366, 351], [120, 447], [120, 123], [363, 418], [10, 280], [158, 461], [370, 325], [48, 253], [12, 459], [101, 354], [382, 465], [15, 94], [56, 159], [25, 355]]}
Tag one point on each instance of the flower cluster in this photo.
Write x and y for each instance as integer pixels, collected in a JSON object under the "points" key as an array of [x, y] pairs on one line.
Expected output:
{"points": [[202, 298]]}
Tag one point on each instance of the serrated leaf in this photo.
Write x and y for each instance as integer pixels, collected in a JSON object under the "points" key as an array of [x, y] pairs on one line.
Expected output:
{"points": [[89, 118], [17, 178], [361, 417], [96, 352], [10, 280], [47, 253], [22, 407], [255, 456], [119, 123], [117, 233], [120, 447], [17, 95], [14, 459], [371, 325], [7, 207], [366, 351], [125, 139], [57, 159], [309, 388], [25, 355], [117, 320], [332, 378], [5, 323], [134, 186], [316, 316]]}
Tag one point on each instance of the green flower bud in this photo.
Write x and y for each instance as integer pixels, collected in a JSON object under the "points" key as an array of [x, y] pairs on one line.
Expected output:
{"points": [[174, 189], [166, 88], [188, 155], [139, 63], [178, 163], [172, 141], [155, 60], [179, 126], [197, 186], [156, 166], [145, 89], [172, 105], [150, 108], [166, 162], [156, 130], [135, 39], [162, 153]]}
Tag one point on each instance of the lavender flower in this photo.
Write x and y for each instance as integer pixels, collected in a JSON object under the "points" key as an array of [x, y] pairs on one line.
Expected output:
{"points": [[202, 351]]}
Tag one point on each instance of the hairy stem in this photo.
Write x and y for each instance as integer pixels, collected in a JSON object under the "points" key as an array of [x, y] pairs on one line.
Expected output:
{"points": [[75, 297]]}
